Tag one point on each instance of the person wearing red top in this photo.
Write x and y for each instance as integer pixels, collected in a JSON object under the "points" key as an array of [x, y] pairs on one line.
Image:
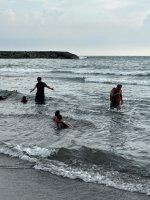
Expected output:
{"points": [[3, 97], [116, 98], [24, 100], [56, 114], [9, 94], [61, 124]]}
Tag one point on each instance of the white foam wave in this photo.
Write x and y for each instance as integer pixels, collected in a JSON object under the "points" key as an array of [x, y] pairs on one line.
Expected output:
{"points": [[21, 70], [84, 71], [108, 178], [36, 151], [81, 71], [13, 153], [114, 81], [82, 57], [107, 72], [135, 73], [26, 153]]}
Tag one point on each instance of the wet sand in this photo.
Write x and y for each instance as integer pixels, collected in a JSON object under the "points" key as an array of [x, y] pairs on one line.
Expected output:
{"points": [[26, 183]]}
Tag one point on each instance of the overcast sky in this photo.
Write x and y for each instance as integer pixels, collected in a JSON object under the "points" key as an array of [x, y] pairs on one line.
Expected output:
{"points": [[84, 27]]}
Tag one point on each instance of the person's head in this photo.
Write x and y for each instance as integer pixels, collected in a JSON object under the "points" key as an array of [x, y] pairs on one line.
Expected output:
{"points": [[57, 113], [24, 98], [39, 79], [1, 98], [59, 117], [119, 86]]}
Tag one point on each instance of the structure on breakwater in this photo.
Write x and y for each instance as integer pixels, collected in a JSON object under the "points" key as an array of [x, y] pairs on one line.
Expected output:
{"points": [[37, 54]]}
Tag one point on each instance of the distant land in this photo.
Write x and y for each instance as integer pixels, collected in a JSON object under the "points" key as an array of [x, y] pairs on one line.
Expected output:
{"points": [[37, 54]]}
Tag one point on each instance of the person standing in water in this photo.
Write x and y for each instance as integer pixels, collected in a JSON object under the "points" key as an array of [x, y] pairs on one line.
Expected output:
{"points": [[40, 89], [116, 97]]}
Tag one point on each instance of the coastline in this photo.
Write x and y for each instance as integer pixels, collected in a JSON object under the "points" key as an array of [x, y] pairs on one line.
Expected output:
{"points": [[37, 54], [25, 183]]}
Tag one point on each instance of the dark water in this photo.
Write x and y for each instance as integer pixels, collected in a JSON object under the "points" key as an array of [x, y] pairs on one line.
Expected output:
{"points": [[104, 147]]}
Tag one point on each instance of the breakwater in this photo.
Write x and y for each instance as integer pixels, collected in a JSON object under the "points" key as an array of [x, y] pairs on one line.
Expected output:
{"points": [[37, 54]]}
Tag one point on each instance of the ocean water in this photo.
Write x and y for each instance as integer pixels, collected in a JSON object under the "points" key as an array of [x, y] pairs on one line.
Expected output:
{"points": [[104, 147]]}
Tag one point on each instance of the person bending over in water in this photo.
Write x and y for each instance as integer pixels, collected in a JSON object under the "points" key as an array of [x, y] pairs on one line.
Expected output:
{"points": [[61, 124], [24, 99], [40, 89], [56, 114], [116, 98], [5, 97]]}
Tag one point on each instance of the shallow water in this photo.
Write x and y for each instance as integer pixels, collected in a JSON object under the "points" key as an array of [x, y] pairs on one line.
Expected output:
{"points": [[104, 147]]}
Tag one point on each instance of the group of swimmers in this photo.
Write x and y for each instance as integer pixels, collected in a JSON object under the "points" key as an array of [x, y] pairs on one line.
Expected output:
{"points": [[23, 100], [40, 98], [115, 100]]}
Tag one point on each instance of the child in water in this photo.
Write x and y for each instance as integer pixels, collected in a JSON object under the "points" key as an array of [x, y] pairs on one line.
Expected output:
{"points": [[5, 97], [56, 114], [24, 100]]}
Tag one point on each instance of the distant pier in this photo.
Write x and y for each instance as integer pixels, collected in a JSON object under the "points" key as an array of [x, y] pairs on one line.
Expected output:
{"points": [[37, 54]]}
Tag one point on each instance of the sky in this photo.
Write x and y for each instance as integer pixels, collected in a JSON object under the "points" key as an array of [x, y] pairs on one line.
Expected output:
{"points": [[83, 27]]}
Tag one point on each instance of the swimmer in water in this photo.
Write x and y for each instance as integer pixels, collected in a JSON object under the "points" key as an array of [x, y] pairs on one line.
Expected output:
{"points": [[61, 124], [56, 114], [24, 99], [5, 97]]}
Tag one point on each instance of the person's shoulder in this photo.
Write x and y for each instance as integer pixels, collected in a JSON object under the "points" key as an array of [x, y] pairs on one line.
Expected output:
{"points": [[113, 89], [44, 84]]}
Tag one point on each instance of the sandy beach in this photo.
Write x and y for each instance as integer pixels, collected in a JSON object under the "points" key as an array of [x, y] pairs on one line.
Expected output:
{"points": [[27, 183]]}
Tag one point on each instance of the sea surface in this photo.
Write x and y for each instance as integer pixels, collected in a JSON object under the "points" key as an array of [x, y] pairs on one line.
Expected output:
{"points": [[104, 147]]}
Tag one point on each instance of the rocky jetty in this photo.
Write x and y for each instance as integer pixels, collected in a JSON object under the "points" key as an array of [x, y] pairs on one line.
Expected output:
{"points": [[37, 54]]}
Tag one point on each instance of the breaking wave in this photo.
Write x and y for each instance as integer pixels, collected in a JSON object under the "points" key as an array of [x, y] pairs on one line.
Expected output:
{"points": [[89, 165]]}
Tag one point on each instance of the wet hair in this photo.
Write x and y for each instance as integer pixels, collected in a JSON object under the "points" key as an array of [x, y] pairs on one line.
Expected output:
{"points": [[24, 98], [59, 117], [1, 98], [39, 78], [119, 86], [57, 113]]}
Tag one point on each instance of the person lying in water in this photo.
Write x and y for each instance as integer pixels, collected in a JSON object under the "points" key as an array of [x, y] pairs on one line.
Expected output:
{"points": [[9, 94], [61, 124]]}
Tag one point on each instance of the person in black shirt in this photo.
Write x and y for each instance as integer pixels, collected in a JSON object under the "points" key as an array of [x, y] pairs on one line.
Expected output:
{"points": [[40, 89]]}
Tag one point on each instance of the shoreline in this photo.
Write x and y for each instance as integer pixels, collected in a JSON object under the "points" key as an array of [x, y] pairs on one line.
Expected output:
{"points": [[37, 54], [20, 181]]}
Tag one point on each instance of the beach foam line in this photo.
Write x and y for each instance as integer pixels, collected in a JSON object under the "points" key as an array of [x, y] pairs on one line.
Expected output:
{"points": [[110, 178], [107, 72], [41, 159], [83, 71], [21, 70], [114, 81]]}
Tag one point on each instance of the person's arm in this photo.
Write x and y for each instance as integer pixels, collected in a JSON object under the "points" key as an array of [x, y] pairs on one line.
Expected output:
{"points": [[112, 93], [50, 88], [121, 98], [33, 89]]}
